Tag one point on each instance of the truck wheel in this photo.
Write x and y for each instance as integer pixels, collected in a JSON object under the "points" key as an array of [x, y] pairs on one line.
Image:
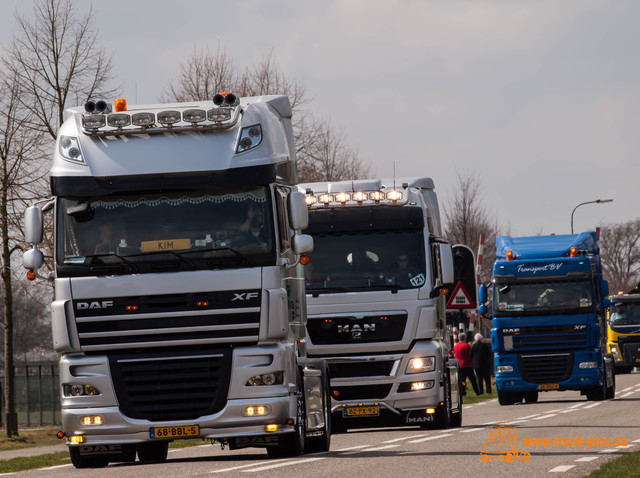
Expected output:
{"points": [[153, 452], [293, 444], [322, 443], [506, 398], [531, 396], [87, 461]]}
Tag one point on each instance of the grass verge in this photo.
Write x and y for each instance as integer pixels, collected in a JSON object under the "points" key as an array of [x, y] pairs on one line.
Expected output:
{"points": [[622, 467]]}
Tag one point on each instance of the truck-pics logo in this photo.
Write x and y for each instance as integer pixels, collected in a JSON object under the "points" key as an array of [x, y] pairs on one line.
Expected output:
{"points": [[502, 444]]}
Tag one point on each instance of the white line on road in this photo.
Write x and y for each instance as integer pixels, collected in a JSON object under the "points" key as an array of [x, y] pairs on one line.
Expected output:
{"points": [[610, 450], [529, 416], [587, 458], [561, 468], [568, 410], [430, 438], [281, 464], [53, 467], [546, 416], [593, 405], [471, 430], [625, 395], [378, 448], [224, 470], [577, 405], [627, 389], [401, 439], [353, 447]]}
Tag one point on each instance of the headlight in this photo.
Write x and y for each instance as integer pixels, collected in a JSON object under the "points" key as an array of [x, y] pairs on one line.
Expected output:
{"points": [[588, 365], [266, 379], [69, 149], [421, 364], [250, 138], [504, 368], [78, 390]]}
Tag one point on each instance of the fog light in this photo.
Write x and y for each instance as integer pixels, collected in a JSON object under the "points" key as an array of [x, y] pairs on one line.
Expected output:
{"points": [[272, 427], [92, 420], [76, 439], [253, 410], [430, 411]]}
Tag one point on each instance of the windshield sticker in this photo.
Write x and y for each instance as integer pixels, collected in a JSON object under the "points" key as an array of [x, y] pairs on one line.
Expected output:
{"points": [[552, 267], [165, 245], [417, 281], [585, 303]]}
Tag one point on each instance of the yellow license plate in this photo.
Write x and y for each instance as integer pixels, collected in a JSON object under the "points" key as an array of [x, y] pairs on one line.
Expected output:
{"points": [[549, 386], [361, 411], [174, 432]]}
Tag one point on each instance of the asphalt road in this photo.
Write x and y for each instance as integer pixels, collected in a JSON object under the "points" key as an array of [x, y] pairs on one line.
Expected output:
{"points": [[575, 428]]}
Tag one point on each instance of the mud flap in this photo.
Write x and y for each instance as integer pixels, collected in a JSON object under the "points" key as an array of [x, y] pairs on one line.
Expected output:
{"points": [[259, 442], [419, 417], [113, 452]]}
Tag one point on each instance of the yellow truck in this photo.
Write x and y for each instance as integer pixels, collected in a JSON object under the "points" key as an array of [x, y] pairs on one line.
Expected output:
{"points": [[623, 330]]}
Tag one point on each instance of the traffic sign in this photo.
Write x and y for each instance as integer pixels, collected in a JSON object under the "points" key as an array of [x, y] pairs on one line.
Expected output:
{"points": [[460, 298]]}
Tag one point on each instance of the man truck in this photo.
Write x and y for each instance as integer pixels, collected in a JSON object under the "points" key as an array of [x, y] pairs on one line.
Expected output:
{"points": [[549, 328], [376, 303], [179, 303], [623, 321]]}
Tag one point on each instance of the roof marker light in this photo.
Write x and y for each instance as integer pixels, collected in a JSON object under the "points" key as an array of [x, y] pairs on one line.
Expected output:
{"points": [[94, 122], [376, 195], [118, 120], [219, 114], [143, 119], [360, 196], [573, 252], [311, 200], [325, 198], [168, 117], [394, 195], [194, 116], [509, 255]]}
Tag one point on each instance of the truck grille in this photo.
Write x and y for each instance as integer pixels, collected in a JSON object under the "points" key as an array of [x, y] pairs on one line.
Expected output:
{"points": [[572, 336], [167, 321], [360, 369], [181, 386], [362, 392], [551, 368], [359, 329]]}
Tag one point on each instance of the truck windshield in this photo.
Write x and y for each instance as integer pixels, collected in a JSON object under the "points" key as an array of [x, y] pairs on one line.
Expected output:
{"points": [[623, 314], [542, 298], [366, 260], [164, 232]]}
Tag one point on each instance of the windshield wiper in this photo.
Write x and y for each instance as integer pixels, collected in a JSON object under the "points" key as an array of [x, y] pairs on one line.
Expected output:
{"points": [[237, 258], [327, 290]]}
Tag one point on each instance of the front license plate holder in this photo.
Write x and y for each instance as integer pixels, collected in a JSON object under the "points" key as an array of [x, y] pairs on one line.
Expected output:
{"points": [[361, 411], [548, 386], [164, 433]]}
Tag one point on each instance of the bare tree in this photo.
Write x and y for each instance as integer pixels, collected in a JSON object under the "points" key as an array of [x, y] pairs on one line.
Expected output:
{"points": [[326, 156], [620, 255], [20, 178], [322, 153], [465, 219], [56, 60]]}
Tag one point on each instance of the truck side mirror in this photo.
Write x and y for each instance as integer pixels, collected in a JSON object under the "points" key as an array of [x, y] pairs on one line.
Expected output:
{"points": [[298, 214], [33, 259], [33, 225], [302, 243], [604, 287], [482, 309], [446, 261], [482, 294]]}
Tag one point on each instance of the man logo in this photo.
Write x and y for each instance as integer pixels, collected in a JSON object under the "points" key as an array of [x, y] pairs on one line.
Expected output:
{"points": [[105, 304], [356, 331]]}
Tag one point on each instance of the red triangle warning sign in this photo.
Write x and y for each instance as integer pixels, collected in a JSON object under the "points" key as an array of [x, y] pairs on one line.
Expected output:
{"points": [[460, 299]]}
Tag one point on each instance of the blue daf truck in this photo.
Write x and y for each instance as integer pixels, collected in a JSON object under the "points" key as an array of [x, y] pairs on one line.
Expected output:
{"points": [[548, 308]]}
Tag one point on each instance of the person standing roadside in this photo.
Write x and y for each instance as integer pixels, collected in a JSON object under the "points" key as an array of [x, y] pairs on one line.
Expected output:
{"points": [[462, 351], [481, 358]]}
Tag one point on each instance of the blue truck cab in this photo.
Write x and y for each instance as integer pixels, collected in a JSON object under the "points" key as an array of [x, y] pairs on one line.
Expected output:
{"points": [[548, 305]]}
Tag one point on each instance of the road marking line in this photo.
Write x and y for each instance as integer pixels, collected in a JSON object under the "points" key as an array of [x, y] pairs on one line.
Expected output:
{"points": [[529, 416], [568, 410], [490, 423], [636, 441], [518, 421], [561, 468], [431, 438], [371, 449], [625, 395], [627, 389], [480, 404], [624, 446], [610, 450], [587, 458], [472, 430], [546, 416], [576, 405], [401, 439], [354, 447], [54, 467], [593, 405], [281, 464], [224, 470]]}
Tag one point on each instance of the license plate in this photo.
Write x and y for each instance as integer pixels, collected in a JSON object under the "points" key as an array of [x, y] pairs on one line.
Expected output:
{"points": [[174, 432], [372, 411], [548, 386]]}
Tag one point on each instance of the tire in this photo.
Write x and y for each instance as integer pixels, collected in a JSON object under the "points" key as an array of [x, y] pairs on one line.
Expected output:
{"points": [[87, 461], [153, 452], [292, 444], [322, 443], [506, 398], [531, 396]]}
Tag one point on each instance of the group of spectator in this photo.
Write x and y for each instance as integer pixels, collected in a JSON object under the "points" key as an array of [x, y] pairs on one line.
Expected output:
{"points": [[475, 362]]}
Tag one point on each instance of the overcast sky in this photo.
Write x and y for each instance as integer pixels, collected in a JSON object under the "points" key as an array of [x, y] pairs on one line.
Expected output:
{"points": [[539, 99]]}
